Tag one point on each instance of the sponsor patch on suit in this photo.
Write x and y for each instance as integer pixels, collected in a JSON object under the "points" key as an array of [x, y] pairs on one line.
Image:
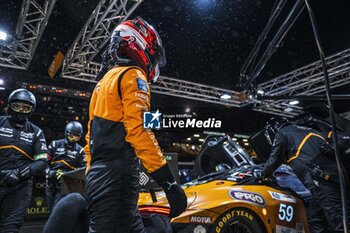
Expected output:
{"points": [[142, 85]]}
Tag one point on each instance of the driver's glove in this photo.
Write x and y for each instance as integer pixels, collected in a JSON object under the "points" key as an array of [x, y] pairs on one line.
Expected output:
{"points": [[176, 196]]}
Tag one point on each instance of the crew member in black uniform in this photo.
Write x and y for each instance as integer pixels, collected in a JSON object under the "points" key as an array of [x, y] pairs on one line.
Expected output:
{"points": [[304, 149], [64, 155], [22, 155]]}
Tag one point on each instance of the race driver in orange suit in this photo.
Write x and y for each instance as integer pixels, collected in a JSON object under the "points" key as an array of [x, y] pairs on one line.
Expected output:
{"points": [[117, 140]]}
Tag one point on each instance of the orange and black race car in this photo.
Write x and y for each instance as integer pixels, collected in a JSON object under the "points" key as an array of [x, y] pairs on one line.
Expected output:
{"points": [[225, 197], [231, 199]]}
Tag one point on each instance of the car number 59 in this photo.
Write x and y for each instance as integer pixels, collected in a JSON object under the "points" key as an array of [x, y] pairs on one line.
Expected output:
{"points": [[286, 212]]}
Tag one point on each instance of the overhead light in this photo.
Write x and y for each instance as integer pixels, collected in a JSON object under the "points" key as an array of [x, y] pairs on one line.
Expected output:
{"points": [[3, 35], [294, 102], [234, 139], [245, 140], [188, 139], [196, 135], [201, 140], [193, 147], [260, 92], [187, 110], [1, 81], [246, 144], [288, 109], [225, 96], [2, 88]]}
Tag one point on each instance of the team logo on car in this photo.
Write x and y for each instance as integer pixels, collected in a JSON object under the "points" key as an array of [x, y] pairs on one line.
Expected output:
{"points": [[300, 227], [282, 197], [200, 219], [249, 197], [152, 120], [283, 229]]}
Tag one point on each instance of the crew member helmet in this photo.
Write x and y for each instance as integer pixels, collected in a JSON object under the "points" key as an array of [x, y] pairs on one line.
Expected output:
{"points": [[73, 131], [21, 104], [272, 127]]}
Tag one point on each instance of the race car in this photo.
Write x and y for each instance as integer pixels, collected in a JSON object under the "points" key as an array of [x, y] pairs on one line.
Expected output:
{"points": [[230, 199]]}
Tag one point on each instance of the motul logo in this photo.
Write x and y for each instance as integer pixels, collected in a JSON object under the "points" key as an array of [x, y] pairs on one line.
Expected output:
{"points": [[199, 219]]}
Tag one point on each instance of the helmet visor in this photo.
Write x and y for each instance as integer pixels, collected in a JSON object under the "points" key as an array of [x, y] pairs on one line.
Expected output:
{"points": [[160, 52], [21, 107], [73, 137], [161, 57], [269, 135]]}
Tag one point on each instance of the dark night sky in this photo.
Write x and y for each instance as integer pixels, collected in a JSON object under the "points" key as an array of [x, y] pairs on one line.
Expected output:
{"points": [[206, 41]]}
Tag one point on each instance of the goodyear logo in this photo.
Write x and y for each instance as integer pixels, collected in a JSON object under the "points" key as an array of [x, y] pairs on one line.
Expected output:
{"points": [[250, 197], [224, 220]]}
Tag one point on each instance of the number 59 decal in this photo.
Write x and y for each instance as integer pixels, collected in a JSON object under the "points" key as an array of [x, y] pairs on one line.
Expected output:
{"points": [[286, 212]]}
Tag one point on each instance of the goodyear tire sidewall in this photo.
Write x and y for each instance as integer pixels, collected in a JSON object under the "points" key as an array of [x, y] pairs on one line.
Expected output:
{"points": [[245, 216]]}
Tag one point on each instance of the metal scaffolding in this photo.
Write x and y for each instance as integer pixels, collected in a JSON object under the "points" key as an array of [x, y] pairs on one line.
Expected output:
{"points": [[303, 81], [307, 80], [18, 51], [177, 88], [81, 64], [346, 115], [196, 91], [78, 63]]}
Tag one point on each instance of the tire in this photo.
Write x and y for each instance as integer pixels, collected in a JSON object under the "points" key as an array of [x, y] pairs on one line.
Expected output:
{"points": [[238, 221]]}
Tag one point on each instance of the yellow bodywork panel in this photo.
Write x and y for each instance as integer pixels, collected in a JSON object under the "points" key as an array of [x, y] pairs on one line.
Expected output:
{"points": [[276, 209]]}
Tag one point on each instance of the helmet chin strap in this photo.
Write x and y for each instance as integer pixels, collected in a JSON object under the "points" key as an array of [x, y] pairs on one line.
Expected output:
{"points": [[18, 119], [70, 143]]}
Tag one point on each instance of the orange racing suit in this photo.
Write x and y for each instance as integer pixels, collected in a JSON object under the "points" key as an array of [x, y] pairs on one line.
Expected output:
{"points": [[116, 139], [116, 119]]}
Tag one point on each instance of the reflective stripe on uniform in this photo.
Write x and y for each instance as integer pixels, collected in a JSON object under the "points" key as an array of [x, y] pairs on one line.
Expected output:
{"points": [[65, 163], [329, 134], [302, 144], [18, 149]]}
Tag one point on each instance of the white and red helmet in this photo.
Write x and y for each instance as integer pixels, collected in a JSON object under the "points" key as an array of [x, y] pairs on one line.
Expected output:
{"points": [[137, 41]]}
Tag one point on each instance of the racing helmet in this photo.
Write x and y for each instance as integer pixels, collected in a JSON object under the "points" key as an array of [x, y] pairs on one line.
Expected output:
{"points": [[73, 131], [21, 104], [272, 127], [135, 41]]}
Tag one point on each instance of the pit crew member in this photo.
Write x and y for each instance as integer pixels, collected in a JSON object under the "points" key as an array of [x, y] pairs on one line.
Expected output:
{"points": [[302, 149], [64, 155], [22, 155]]}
